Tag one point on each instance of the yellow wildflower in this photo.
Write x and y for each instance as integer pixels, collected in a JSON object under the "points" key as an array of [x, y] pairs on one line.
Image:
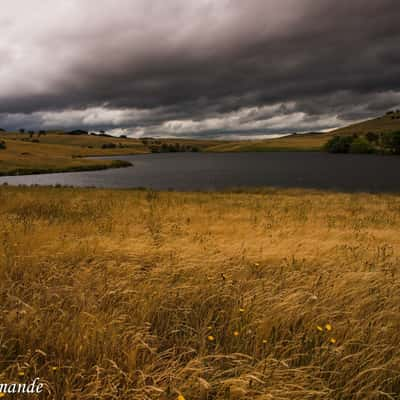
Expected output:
{"points": [[180, 397], [21, 373], [211, 338], [319, 328], [264, 341], [333, 340], [241, 310], [54, 368], [2, 394], [328, 327], [236, 333]]}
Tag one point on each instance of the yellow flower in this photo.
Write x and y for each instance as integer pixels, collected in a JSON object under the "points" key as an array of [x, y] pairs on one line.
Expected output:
{"points": [[333, 340], [209, 327], [264, 341], [211, 338], [180, 397], [319, 328], [21, 373], [54, 368], [241, 310], [328, 327], [236, 333], [2, 394]]}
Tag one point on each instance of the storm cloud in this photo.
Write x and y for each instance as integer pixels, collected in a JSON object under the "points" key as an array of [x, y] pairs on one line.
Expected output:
{"points": [[197, 68]]}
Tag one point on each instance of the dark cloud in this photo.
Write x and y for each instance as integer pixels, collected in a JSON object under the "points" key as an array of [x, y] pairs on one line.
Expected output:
{"points": [[191, 67]]}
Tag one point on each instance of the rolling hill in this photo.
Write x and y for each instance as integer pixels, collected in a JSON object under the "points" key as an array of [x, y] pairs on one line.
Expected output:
{"points": [[313, 141]]}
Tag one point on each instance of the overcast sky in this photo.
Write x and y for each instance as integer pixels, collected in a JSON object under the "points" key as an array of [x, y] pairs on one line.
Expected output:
{"points": [[201, 68]]}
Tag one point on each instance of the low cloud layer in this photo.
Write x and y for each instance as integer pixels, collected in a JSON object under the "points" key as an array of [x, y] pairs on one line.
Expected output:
{"points": [[197, 68]]}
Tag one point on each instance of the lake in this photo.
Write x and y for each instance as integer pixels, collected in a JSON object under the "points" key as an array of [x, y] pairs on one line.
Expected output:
{"points": [[214, 171]]}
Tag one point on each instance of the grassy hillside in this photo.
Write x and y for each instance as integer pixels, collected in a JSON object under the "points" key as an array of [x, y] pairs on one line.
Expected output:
{"points": [[289, 295], [56, 151], [312, 141], [59, 152], [386, 123], [304, 142], [26, 158]]}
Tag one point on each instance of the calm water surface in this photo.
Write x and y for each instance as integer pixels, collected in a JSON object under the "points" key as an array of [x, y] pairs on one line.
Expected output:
{"points": [[208, 171]]}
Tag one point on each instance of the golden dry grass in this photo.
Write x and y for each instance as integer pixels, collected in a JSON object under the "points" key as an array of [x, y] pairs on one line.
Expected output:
{"points": [[384, 124], [298, 142], [283, 294], [57, 152]]}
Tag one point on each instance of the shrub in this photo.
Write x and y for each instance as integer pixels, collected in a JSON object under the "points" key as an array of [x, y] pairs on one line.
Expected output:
{"points": [[339, 144], [108, 146], [361, 145], [372, 137], [391, 142], [77, 132]]}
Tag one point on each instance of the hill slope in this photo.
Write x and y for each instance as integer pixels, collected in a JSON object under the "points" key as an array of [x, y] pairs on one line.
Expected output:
{"points": [[386, 123], [312, 141]]}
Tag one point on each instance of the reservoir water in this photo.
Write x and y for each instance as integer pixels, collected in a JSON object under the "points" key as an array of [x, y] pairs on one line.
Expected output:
{"points": [[216, 171]]}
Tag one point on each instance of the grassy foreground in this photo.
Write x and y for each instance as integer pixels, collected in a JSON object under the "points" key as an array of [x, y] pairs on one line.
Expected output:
{"points": [[143, 295]]}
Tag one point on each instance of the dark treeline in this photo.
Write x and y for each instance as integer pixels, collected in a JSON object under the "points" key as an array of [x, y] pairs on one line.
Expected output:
{"points": [[371, 142]]}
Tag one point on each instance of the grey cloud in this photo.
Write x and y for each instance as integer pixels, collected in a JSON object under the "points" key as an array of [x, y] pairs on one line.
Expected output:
{"points": [[201, 63]]}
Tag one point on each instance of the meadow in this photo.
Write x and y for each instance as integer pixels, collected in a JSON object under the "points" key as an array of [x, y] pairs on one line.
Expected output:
{"points": [[269, 294]]}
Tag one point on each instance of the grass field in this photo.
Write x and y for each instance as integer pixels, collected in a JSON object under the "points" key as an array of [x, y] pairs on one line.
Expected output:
{"points": [[141, 295]]}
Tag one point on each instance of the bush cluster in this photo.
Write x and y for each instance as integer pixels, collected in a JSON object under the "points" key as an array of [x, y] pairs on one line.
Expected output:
{"points": [[388, 143], [173, 148], [108, 146]]}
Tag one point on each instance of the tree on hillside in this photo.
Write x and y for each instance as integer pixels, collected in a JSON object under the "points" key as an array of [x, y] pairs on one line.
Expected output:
{"points": [[339, 144], [372, 137], [391, 142]]}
